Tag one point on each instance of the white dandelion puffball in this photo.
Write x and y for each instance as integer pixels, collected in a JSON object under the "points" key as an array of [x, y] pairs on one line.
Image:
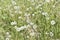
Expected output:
{"points": [[13, 23], [53, 22], [7, 33], [7, 38], [44, 13], [20, 28], [51, 34]]}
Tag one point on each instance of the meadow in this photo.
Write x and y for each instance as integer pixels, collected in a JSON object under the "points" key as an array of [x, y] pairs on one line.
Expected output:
{"points": [[29, 19]]}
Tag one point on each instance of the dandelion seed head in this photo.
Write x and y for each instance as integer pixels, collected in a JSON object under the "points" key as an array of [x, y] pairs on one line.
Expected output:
{"points": [[7, 38], [53, 22], [7, 33], [44, 13], [51, 34], [13, 23]]}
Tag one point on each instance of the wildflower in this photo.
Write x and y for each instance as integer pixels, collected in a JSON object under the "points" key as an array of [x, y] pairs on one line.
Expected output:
{"points": [[53, 22], [51, 34], [7, 33], [53, 6], [16, 7], [26, 14], [19, 17], [27, 36], [7, 38], [21, 28], [18, 29], [33, 14], [13, 23], [13, 2], [31, 23], [44, 13], [46, 33]]}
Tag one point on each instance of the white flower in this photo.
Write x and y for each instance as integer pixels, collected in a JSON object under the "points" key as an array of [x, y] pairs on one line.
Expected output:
{"points": [[7, 38], [13, 23], [7, 33], [51, 34], [21, 28], [33, 14], [31, 23], [47, 33], [27, 14], [18, 29], [19, 17], [53, 6], [16, 7], [53, 22], [13, 2], [27, 36], [44, 13]]}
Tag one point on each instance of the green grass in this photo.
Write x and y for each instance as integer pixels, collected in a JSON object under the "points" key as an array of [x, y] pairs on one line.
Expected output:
{"points": [[37, 20]]}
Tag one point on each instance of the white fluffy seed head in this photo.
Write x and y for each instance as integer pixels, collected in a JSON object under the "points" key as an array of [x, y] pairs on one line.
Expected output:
{"points": [[51, 34], [7, 33], [45, 13], [7, 38], [53, 22], [13, 23]]}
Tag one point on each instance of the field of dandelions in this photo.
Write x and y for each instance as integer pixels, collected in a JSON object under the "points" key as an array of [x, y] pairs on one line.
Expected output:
{"points": [[29, 19]]}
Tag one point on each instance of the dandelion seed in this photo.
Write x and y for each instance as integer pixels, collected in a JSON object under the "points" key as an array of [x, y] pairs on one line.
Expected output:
{"points": [[53, 22]]}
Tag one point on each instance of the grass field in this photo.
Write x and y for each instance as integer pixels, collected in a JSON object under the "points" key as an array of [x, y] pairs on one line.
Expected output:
{"points": [[29, 19]]}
